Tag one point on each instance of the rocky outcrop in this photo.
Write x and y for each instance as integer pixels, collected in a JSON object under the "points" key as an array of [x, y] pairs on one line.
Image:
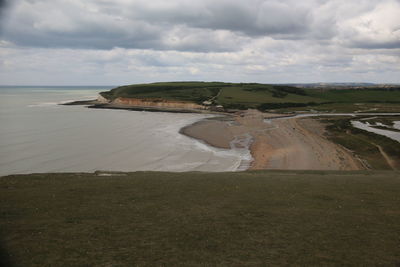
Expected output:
{"points": [[156, 102]]}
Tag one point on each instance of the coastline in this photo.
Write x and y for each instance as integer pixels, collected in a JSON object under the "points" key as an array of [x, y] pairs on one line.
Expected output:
{"points": [[95, 104], [143, 108], [241, 156], [215, 132], [292, 144], [211, 132], [289, 142]]}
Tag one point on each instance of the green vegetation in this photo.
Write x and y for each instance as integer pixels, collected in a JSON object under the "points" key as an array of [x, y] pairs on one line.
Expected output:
{"points": [[253, 95], [240, 94], [269, 106], [182, 91], [357, 95], [384, 123], [269, 218], [368, 146], [348, 107], [387, 120], [266, 97]]}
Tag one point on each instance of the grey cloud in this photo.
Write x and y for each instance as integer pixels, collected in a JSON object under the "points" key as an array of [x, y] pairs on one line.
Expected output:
{"points": [[375, 44], [233, 40], [202, 40], [99, 24], [4, 9], [88, 36], [182, 25], [3, 5], [75, 27], [376, 28], [252, 18], [299, 64]]}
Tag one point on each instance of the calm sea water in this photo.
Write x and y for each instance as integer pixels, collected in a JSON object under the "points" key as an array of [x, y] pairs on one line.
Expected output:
{"points": [[38, 135]]}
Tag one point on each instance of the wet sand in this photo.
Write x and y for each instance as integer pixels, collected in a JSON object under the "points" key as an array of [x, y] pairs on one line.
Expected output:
{"points": [[213, 132], [292, 143]]}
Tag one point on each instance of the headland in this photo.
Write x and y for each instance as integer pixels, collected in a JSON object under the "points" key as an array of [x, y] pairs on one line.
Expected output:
{"points": [[246, 113]]}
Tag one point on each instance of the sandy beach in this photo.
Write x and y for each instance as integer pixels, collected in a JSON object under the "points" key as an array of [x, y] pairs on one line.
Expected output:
{"points": [[291, 143]]}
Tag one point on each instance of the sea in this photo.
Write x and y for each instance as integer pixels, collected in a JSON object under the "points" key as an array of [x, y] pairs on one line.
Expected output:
{"points": [[38, 135]]}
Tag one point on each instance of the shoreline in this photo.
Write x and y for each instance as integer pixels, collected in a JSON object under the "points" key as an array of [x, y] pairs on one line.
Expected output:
{"points": [[139, 108], [220, 138], [291, 144], [194, 130], [95, 104], [190, 130]]}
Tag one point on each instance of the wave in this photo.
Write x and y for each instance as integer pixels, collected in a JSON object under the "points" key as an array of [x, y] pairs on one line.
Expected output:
{"points": [[43, 104]]}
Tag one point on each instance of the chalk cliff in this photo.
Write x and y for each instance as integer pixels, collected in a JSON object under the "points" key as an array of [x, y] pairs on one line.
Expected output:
{"points": [[102, 99], [156, 102]]}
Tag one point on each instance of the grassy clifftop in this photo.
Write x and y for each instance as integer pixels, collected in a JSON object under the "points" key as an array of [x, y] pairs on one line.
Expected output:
{"points": [[221, 93], [268, 218], [183, 91], [262, 96]]}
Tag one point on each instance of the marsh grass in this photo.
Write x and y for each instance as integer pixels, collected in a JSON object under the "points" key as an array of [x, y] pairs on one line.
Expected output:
{"points": [[363, 143]]}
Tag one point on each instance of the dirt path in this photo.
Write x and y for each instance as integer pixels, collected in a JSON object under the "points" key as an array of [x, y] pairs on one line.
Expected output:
{"points": [[388, 159]]}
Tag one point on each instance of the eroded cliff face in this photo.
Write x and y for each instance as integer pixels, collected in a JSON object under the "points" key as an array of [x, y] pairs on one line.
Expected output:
{"points": [[102, 99], [161, 103]]}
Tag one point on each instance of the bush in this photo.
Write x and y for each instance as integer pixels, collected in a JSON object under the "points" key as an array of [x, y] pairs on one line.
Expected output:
{"points": [[266, 106]]}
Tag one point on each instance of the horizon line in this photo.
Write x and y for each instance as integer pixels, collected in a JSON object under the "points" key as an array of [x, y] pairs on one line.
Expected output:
{"points": [[94, 85]]}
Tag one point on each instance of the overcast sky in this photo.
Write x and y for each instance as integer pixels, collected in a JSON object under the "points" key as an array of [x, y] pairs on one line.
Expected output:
{"points": [[114, 42]]}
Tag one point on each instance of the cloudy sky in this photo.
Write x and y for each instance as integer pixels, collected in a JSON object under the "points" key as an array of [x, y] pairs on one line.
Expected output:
{"points": [[114, 42]]}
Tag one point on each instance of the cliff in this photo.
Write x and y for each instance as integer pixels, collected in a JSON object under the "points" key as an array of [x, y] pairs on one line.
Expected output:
{"points": [[158, 102], [102, 99]]}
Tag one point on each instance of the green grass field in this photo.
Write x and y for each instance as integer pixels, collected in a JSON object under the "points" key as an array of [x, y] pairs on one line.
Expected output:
{"points": [[263, 218], [250, 94], [249, 98], [356, 95], [266, 97], [182, 91]]}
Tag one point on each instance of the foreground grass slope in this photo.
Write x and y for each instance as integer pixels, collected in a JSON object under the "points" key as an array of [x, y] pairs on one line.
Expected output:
{"points": [[201, 219], [261, 96]]}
